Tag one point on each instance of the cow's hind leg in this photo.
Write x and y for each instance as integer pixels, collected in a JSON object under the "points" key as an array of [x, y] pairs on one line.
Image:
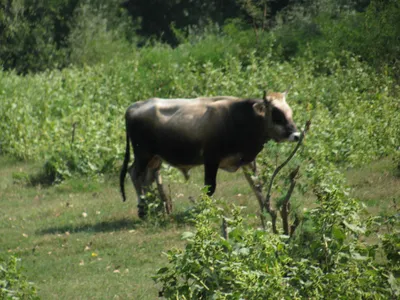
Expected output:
{"points": [[138, 173]]}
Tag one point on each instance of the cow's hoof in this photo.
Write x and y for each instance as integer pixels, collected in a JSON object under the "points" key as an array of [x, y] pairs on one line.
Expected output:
{"points": [[142, 211], [142, 214]]}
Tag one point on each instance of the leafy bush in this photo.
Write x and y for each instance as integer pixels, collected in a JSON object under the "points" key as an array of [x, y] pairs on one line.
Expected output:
{"points": [[330, 256], [38, 36], [73, 119], [100, 34], [211, 267], [31, 38], [368, 29], [14, 285], [331, 263]]}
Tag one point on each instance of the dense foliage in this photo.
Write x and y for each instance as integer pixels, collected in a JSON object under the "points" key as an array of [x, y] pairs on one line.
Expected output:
{"points": [[73, 118], [37, 36], [328, 260], [13, 284], [83, 68]]}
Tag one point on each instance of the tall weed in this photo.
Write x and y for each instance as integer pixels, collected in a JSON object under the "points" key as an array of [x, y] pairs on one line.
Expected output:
{"points": [[73, 118]]}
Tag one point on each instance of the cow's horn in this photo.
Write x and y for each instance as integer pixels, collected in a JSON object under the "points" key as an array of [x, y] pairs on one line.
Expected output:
{"points": [[265, 98], [288, 89]]}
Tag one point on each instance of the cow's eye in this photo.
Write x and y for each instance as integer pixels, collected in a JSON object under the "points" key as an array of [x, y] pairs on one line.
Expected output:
{"points": [[278, 117]]}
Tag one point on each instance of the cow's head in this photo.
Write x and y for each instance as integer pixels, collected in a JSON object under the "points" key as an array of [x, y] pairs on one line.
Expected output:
{"points": [[278, 117]]}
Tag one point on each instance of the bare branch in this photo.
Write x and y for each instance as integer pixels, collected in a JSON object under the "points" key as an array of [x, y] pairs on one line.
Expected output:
{"points": [[266, 205], [73, 133], [296, 223], [286, 204], [257, 189], [277, 170], [274, 216], [264, 17], [224, 229]]}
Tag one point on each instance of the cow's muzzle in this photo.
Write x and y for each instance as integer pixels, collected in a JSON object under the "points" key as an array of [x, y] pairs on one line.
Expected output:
{"points": [[294, 137]]}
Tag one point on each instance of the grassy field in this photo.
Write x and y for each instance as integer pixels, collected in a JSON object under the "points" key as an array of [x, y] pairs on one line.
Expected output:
{"points": [[78, 240]]}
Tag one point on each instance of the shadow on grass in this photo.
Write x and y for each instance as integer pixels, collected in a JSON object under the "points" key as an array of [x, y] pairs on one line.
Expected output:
{"points": [[33, 180], [185, 217], [104, 226]]}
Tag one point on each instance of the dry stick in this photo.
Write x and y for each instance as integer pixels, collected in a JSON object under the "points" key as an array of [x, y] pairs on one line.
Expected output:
{"points": [[273, 215], [257, 191], [73, 133], [286, 203], [264, 17], [224, 229], [255, 30], [267, 203], [296, 223]]}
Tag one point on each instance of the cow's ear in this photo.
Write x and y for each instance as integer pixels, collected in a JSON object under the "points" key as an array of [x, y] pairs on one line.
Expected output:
{"points": [[260, 109], [265, 99]]}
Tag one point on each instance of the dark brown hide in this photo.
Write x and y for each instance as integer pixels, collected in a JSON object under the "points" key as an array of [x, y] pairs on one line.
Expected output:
{"points": [[218, 132]]}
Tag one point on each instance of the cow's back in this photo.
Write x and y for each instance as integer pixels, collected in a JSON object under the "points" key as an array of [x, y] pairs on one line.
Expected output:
{"points": [[184, 131], [194, 118]]}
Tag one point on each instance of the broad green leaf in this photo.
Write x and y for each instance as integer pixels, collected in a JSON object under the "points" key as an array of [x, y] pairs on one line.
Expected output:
{"points": [[187, 235]]}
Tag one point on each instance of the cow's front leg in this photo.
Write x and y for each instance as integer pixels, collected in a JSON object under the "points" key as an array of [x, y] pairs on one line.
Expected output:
{"points": [[210, 175], [137, 173]]}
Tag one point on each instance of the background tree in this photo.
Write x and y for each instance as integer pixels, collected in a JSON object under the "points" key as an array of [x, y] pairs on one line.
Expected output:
{"points": [[33, 33]]}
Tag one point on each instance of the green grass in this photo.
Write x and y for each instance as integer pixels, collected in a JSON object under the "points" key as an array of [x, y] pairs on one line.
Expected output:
{"points": [[78, 240], [107, 254], [377, 185]]}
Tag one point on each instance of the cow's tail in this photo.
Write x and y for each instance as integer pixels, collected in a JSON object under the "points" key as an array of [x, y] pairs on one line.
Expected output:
{"points": [[124, 168]]}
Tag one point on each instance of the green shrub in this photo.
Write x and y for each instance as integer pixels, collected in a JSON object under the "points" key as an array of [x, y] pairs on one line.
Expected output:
{"points": [[255, 264], [73, 119], [13, 284], [99, 35], [369, 31], [32, 34]]}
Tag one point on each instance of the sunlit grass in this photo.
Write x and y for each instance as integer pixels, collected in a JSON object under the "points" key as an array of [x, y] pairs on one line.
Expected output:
{"points": [[377, 186], [78, 240]]}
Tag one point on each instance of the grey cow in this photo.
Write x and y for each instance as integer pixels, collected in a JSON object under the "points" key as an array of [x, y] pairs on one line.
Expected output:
{"points": [[217, 132]]}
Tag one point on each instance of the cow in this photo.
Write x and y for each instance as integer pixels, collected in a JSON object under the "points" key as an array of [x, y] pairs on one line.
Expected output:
{"points": [[220, 132]]}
